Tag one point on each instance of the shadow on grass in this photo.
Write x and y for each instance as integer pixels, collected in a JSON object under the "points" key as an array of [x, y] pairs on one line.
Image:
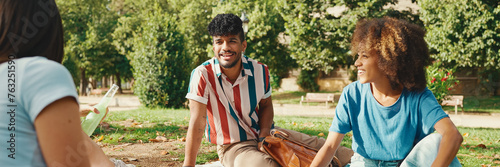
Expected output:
{"points": [[115, 134]]}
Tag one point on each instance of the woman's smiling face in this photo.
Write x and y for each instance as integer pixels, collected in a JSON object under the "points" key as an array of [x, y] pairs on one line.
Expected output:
{"points": [[367, 65]]}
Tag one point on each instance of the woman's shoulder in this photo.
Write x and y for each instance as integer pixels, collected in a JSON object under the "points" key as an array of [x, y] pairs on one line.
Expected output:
{"points": [[356, 86], [419, 94]]}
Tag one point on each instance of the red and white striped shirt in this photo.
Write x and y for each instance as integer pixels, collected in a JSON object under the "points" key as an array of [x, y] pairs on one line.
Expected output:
{"points": [[232, 109]]}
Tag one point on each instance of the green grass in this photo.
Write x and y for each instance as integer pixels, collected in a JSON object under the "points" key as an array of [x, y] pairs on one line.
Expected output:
{"points": [[471, 103], [293, 97], [174, 122], [479, 104]]}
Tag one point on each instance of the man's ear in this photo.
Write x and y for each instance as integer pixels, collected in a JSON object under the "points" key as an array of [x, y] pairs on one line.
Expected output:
{"points": [[244, 43]]}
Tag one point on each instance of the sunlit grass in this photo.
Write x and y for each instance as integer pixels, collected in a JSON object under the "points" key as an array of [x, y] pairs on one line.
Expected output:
{"points": [[173, 123]]}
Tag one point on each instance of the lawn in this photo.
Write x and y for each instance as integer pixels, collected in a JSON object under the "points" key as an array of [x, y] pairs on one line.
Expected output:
{"points": [[480, 147], [471, 103]]}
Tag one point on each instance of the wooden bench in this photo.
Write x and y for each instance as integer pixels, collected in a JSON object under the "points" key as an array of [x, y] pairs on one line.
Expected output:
{"points": [[318, 97], [454, 100]]}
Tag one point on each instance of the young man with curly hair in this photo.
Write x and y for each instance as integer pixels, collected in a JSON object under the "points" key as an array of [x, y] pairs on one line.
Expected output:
{"points": [[389, 109], [230, 100]]}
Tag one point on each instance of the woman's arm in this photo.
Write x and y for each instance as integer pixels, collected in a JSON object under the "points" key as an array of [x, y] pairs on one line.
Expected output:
{"points": [[62, 141], [327, 151], [450, 143]]}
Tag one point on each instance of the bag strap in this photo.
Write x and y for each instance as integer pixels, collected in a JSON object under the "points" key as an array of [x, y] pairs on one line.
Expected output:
{"points": [[284, 135]]}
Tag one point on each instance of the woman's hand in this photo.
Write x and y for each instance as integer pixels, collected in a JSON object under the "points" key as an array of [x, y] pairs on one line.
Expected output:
{"points": [[85, 110]]}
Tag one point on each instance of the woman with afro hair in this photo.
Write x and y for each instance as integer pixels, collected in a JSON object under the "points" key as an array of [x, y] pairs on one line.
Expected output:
{"points": [[391, 113]]}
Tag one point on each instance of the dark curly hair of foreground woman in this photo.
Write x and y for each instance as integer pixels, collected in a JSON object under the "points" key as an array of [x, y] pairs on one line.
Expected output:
{"points": [[402, 50]]}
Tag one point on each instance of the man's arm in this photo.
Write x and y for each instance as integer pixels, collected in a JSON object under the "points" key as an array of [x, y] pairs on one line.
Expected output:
{"points": [[196, 128], [266, 115], [450, 143], [327, 151]]}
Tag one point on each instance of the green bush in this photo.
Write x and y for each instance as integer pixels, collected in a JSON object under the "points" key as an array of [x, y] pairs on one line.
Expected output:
{"points": [[161, 67], [440, 80], [307, 80]]}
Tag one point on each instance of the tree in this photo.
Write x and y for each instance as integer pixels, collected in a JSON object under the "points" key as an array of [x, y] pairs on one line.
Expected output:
{"points": [[465, 34], [159, 61], [88, 27], [319, 40], [193, 18]]}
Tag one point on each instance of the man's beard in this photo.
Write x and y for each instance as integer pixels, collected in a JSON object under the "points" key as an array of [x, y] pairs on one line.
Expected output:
{"points": [[232, 64]]}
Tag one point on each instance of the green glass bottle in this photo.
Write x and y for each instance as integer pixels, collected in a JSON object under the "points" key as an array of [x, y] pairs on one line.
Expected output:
{"points": [[90, 122]]}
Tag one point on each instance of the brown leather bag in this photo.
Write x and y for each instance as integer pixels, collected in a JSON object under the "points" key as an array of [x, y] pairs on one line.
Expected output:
{"points": [[290, 153]]}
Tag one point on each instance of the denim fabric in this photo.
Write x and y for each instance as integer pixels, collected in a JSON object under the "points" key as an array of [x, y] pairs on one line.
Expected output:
{"points": [[359, 161], [422, 155]]}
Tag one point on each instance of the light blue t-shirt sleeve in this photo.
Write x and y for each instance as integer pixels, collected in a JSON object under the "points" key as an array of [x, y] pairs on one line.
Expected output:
{"points": [[341, 122], [431, 111], [43, 82]]}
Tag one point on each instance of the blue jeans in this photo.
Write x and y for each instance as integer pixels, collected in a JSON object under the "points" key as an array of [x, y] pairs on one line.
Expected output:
{"points": [[422, 155]]}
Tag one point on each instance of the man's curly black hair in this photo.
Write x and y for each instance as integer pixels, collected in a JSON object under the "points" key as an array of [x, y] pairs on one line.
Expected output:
{"points": [[226, 24], [403, 52]]}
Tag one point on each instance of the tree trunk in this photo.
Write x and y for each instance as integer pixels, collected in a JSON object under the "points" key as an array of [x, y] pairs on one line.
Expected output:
{"points": [[119, 82], [104, 82], [83, 82]]}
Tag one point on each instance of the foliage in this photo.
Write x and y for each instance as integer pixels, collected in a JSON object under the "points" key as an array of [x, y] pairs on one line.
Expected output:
{"points": [[159, 61], [320, 39], [88, 27], [71, 64], [463, 33], [440, 80], [193, 19], [307, 80]]}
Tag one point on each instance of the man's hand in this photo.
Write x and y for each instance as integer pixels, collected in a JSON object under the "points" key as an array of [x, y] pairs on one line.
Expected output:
{"points": [[260, 144]]}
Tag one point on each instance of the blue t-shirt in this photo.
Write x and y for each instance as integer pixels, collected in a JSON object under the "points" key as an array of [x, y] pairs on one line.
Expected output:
{"points": [[35, 83], [385, 133]]}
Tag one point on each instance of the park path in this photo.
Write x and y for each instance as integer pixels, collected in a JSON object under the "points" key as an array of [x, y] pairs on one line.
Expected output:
{"points": [[130, 102]]}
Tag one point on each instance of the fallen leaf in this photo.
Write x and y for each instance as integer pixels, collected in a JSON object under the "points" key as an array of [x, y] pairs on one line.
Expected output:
{"points": [[121, 138], [157, 133], [496, 162], [163, 152], [130, 120], [321, 134], [175, 159], [154, 140], [140, 141], [133, 139], [133, 159], [110, 138], [135, 123], [481, 146], [465, 134], [183, 139], [161, 138], [100, 138]]}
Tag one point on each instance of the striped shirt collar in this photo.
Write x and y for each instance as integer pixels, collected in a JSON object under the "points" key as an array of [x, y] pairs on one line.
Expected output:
{"points": [[246, 70]]}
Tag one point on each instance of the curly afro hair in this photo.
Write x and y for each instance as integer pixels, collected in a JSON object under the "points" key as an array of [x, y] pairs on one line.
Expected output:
{"points": [[226, 24], [403, 52]]}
